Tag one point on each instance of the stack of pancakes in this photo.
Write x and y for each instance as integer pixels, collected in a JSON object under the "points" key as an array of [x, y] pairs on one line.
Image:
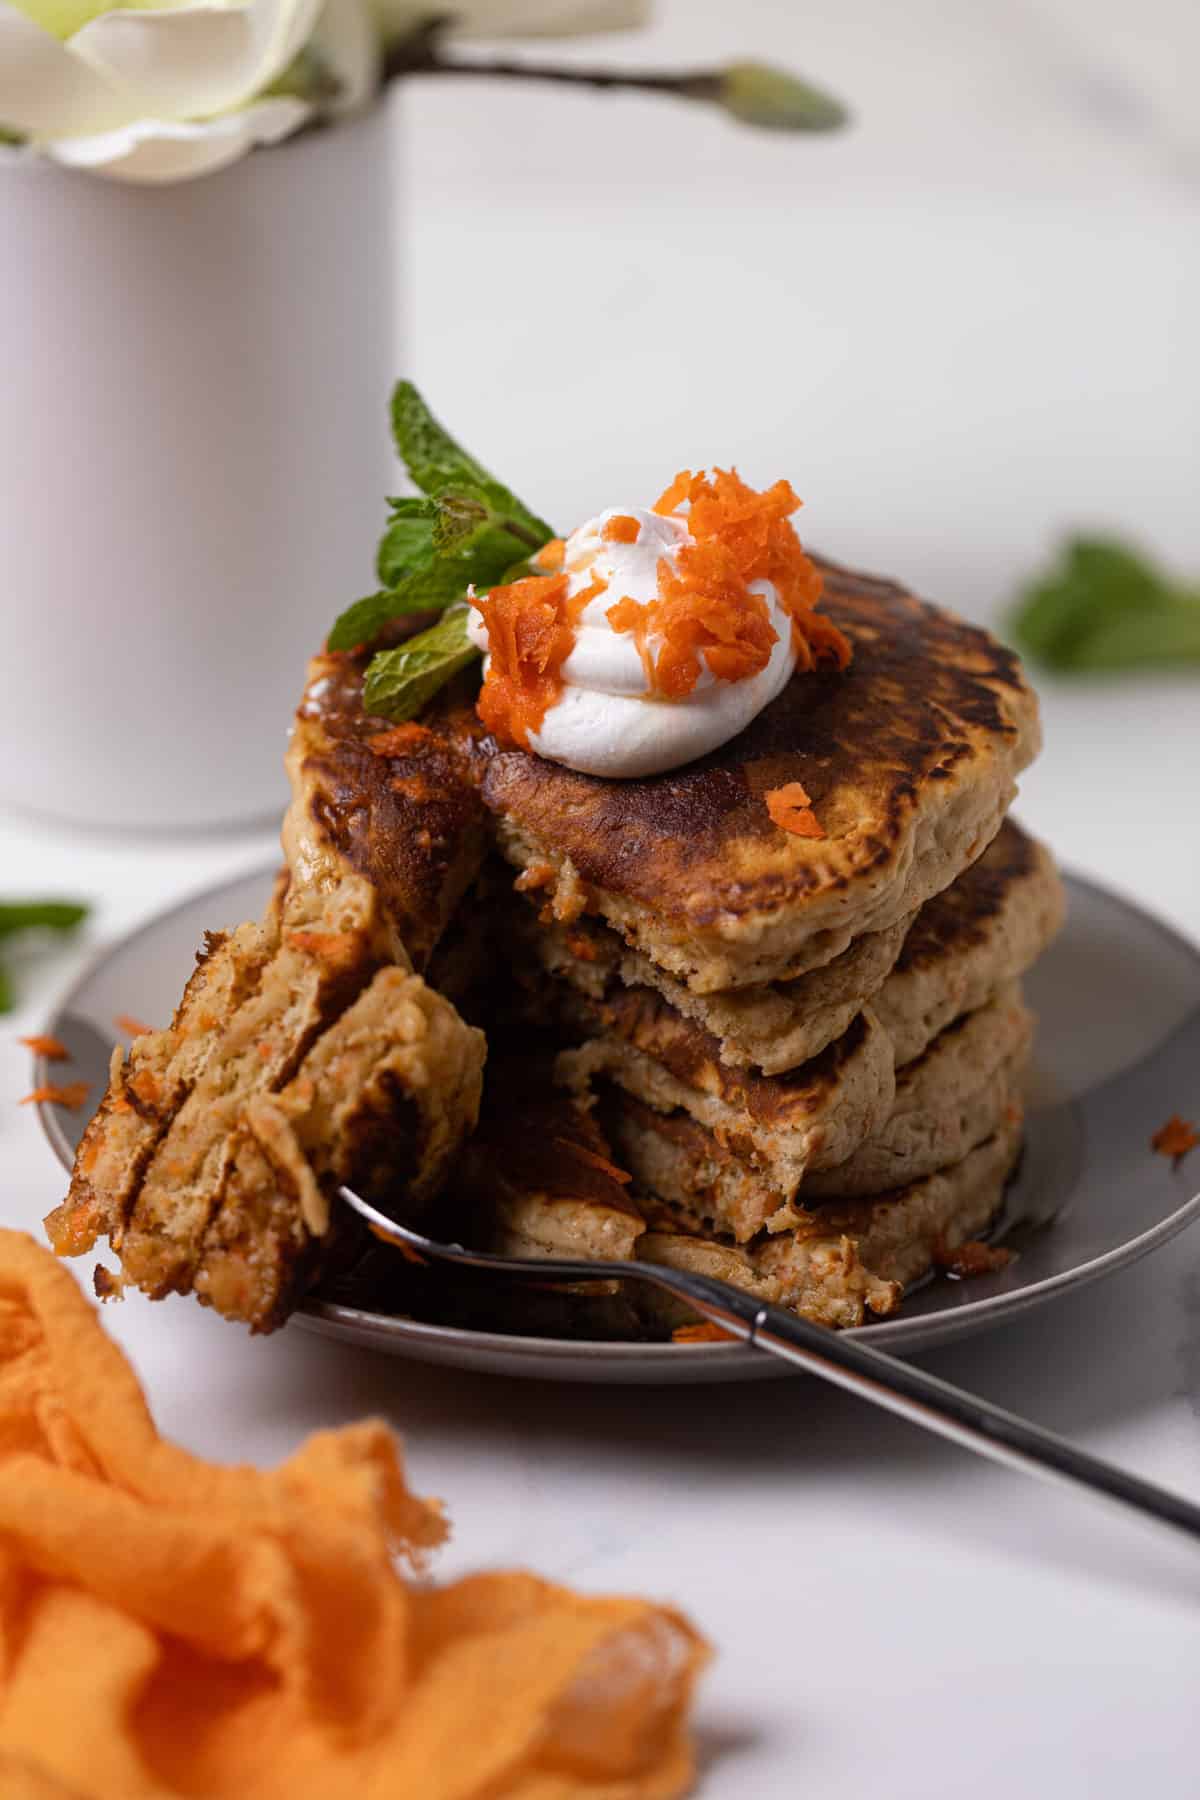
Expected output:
{"points": [[808, 1052], [791, 1060]]}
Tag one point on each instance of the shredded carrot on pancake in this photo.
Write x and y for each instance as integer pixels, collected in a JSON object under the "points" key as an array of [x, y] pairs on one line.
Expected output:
{"points": [[791, 809], [50, 1047], [705, 612], [530, 636], [705, 607]]}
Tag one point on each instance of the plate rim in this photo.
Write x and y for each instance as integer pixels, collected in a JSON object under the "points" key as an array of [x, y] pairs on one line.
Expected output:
{"points": [[897, 1335]]}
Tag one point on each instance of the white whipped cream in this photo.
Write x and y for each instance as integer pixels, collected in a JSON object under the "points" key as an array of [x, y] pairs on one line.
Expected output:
{"points": [[607, 720]]}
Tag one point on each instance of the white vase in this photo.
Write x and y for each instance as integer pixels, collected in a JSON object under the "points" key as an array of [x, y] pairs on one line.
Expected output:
{"points": [[193, 463]]}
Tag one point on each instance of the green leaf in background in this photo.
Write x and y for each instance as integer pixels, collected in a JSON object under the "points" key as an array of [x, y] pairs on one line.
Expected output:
{"points": [[17, 916], [438, 464], [760, 94], [1104, 606], [402, 681], [40, 915]]}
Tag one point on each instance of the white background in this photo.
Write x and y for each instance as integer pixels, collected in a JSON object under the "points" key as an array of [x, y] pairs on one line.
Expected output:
{"points": [[960, 329]]}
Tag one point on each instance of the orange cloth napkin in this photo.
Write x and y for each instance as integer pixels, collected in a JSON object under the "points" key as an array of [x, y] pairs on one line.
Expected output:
{"points": [[172, 1628]]}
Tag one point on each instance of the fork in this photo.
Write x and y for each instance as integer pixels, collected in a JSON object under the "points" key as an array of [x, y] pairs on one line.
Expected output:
{"points": [[847, 1361]]}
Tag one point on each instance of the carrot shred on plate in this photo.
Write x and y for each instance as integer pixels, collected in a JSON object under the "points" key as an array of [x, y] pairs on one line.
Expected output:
{"points": [[70, 1094], [52, 1048], [1175, 1139], [130, 1026], [704, 1333]]}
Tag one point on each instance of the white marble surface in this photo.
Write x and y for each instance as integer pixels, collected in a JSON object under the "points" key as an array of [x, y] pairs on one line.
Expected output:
{"points": [[958, 330]]}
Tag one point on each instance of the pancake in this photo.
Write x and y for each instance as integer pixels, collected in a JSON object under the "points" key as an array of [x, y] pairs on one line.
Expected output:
{"points": [[845, 1261], [772, 1028], [382, 1101], [380, 840], [946, 1101], [538, 1178], [986, 929], [910, 758], [781, 1127]]}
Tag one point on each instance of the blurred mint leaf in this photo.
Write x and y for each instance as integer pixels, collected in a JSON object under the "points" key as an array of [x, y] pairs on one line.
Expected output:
{"points": [[760, 94], [17, 916], [402, 681], [40, 915], [1105, 606]]}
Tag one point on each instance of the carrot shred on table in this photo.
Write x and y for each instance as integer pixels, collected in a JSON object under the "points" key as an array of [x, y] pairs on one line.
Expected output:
{"points": [[791, 809], [70, 1094], [130, 1026], [1175, 1139], [52, 1048], [705, 1333]]}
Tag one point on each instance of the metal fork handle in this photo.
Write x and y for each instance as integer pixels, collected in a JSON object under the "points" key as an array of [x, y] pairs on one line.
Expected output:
{"points": [[914, 1394], [846, 1361]]}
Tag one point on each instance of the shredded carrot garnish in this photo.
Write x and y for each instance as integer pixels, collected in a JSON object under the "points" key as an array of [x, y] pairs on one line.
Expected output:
{"points": [[529, 639], [130, 1026], [1175, 1139], [594, 1160], [400, 740], [50, 1047], [972, 1258], [791, 809], [70, 1094], [398, 1243], [706, 1333], [706, 611], [331, 946], [537, 875], [550, 557], [622, 528]]}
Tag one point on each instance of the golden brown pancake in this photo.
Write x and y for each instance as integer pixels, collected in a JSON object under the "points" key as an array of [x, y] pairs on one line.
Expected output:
{"points": [[910, 758]]}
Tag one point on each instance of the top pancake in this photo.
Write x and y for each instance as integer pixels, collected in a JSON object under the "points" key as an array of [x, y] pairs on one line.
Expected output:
{"points": [[910, 759]]}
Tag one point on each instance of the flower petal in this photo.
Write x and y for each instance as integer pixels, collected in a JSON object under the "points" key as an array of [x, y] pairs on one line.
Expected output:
{"points": [[158, 150], [190, 62], [45, 91]]}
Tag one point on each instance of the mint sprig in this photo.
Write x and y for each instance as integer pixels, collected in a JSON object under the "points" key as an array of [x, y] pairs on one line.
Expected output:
{"points": [[1103, 607], [465, 530], [402, 681], [20, 916]]}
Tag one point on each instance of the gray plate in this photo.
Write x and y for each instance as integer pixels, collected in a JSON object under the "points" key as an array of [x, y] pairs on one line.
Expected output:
{"points": [[1118, 1000]]}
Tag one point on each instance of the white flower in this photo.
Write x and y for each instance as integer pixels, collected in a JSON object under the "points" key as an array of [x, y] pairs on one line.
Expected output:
{"points": [[183, 87], [161, 94]]}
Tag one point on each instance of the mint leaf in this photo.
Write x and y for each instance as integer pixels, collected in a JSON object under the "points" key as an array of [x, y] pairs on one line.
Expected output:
{"points": [[40, 915], [487, 559], [459, 518], [437, 463], [1105, 606], [402, 681], [34, 915], [407, 544]]}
